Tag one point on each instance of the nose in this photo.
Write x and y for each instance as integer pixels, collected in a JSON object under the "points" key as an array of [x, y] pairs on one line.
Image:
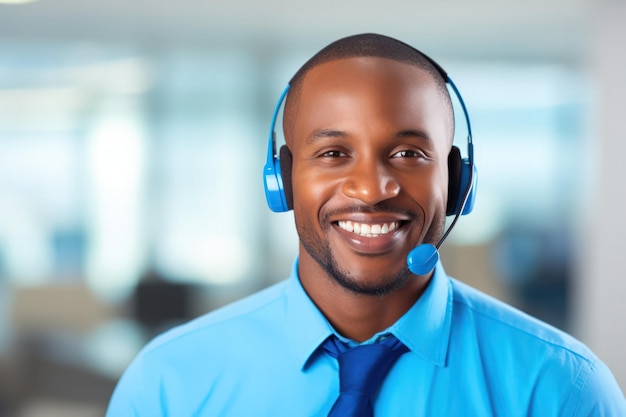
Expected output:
{"points": [[371, 182]]}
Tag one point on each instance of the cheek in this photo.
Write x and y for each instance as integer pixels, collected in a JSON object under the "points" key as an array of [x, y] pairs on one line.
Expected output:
{"points": [[430, 192], [311, 190], [312, 180]]}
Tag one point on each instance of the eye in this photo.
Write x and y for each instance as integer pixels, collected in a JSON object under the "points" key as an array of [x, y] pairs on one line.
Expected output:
{"points": [[407, 153], [333, 154]]}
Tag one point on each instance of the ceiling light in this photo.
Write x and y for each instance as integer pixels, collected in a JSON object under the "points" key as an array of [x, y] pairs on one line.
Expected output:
{"points": [[16, 1]]}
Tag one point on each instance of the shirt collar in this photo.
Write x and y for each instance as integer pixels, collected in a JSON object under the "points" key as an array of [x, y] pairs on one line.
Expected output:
{"points": [[307, 327], [424, 328]]}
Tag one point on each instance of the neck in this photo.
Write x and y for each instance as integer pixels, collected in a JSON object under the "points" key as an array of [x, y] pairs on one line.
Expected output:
{"points": [[354, 315]]}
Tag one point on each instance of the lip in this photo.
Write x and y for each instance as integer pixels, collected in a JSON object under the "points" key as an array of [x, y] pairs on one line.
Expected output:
{"points": [[373, 245]]}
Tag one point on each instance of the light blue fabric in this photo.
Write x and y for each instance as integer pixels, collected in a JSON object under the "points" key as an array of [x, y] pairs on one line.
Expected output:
{"points": [[470, 355]]}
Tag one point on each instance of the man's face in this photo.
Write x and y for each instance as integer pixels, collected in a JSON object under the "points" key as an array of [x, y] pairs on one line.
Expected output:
{"points": [[370, 142]]}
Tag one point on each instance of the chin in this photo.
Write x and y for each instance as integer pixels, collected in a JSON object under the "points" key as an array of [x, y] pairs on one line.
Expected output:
{"points": [[367, 282]]}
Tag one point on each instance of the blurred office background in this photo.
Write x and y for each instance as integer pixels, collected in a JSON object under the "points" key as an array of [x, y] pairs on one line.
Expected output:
{"points": [[133, 135]]}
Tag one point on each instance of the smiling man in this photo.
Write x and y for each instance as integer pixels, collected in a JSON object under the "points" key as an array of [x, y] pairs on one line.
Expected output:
{"points": [[370, 172], [370, 139]]}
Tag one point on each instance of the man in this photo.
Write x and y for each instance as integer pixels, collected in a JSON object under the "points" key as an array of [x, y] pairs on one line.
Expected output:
{"points": [[369, 126]]}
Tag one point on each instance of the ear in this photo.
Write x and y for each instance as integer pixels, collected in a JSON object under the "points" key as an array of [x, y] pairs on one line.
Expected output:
{"points": [[285, 169], [454, 181]]}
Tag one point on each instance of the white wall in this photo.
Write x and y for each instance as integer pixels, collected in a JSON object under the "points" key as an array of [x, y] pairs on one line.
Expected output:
{"points": [[602, 283]]}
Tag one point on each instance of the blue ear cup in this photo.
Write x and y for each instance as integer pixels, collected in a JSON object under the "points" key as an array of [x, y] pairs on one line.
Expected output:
{"points": [[272, 174], [468, 182], [465, 194], [459, 180], [274, 189]]}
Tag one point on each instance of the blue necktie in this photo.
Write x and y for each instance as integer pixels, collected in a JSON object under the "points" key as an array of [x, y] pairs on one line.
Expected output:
{"points": [[361, 372]]}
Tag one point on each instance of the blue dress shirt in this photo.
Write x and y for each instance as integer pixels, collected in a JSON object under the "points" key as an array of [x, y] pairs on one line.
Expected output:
{"points": [[470, 355]]}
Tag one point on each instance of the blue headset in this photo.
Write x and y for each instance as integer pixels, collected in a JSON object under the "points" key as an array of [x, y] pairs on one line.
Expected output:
{"points": [[462, 171]]}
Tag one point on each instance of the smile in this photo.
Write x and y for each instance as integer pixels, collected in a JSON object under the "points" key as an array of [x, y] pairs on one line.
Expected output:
{"points": [[366, 229]]}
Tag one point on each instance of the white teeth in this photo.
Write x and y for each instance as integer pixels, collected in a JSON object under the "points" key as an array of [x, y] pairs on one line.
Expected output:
{"points": [[369, 230]]}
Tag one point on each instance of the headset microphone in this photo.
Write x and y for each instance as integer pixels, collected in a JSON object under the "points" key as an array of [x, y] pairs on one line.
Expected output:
{"points": [[423, 259]]}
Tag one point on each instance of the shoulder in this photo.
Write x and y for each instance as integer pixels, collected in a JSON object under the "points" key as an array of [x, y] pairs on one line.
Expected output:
{"points": [[551, 366], [249, 314], [179, 367], [492, 314]]}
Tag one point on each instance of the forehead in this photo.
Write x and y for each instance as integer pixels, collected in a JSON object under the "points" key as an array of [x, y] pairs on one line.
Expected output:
{"points": [[370, 89], [352, 69]]}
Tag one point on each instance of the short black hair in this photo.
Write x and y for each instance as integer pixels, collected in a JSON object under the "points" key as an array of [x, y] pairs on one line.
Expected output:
{"points": [[365, 45]]}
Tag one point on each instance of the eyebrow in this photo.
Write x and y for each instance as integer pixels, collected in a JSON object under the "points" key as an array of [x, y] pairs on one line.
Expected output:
{"points": [[413, 133], [323, 134], [319, 134]]}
